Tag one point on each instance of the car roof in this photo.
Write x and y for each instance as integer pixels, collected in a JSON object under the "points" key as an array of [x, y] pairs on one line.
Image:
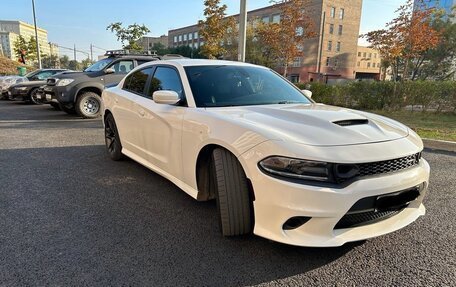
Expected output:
{"points": [[206, 62]]}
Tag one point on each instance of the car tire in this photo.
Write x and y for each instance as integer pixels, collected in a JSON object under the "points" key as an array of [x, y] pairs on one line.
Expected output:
{"points": [[56, 106], [89, 105], [69, 109], [232, 194], [32, 97], [112, 139]]}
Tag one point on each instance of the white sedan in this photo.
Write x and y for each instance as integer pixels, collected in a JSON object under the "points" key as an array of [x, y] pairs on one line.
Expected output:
{"points": [[278, 164]]}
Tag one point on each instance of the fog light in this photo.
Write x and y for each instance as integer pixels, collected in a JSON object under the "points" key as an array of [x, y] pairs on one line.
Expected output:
{"points": [[295, 222]]}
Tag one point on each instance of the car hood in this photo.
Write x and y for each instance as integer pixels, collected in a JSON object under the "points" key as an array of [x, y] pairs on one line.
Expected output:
{"points": [[70, 75], [29, 84], [315, 124]]}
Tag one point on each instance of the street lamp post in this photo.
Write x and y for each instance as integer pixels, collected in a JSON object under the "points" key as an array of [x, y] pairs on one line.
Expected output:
{"points": [[242, 31], [36, 36]]}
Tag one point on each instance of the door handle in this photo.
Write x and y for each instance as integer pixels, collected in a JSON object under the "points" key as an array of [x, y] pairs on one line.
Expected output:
{"points": [[141, 113], [116, 100]]}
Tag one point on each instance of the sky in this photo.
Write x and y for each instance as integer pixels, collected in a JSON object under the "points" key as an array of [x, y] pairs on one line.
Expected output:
{"points": [[84, 22]]}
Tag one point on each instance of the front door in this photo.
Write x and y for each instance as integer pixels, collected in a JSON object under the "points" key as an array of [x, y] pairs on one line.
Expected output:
{"points": [[121, 68]]}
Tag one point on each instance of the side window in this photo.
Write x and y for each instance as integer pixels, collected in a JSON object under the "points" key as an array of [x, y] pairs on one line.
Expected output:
{"points": [[136, 82], [140, 62], [44, 75], [166, 79], [123, 67]]}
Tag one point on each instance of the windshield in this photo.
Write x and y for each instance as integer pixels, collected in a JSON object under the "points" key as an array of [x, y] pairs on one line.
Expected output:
{"points": [[31, 74], [220, 86], [100, 65]]}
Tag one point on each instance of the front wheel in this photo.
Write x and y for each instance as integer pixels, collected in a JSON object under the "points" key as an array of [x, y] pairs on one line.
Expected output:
{"points": [[88, 105], [112, 139], [232, 193], [33, 97]]}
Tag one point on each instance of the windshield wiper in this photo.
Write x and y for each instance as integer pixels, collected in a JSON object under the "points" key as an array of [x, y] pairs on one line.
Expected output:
{"points": [[288, 102]]}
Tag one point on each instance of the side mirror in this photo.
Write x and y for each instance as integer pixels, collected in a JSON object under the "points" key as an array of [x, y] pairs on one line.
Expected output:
{"points": [[307, 93], [166, 97], [110, 71]]}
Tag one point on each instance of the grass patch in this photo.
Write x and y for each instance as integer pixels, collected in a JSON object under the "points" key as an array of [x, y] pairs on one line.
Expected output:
{"points": [[439, 126]]}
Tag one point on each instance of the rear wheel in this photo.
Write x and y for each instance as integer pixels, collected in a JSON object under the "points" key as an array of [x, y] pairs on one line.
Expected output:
{"points": [[69, 109], [112, 139], [88, 105], [33, 97], [232, 193]]}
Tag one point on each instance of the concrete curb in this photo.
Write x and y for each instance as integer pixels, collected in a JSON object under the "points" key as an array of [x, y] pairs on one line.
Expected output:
{"points": [[447, 147]]}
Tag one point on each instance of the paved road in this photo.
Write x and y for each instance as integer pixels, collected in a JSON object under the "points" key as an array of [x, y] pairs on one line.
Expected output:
{"points": [[70, 216]]}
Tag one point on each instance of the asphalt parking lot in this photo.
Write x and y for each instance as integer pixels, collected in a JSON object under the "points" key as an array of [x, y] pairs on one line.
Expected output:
{"points": [[70, 216]]}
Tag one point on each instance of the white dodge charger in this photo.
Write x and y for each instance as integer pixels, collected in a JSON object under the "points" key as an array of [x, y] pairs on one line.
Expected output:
{"points": [[278, 164]]}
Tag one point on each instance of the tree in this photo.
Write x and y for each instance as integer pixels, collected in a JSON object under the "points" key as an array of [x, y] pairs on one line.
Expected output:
{"points": [[86, 63], [74, 65], [20, 47], [407, 39], [51, 61], [130, 35], [160, 49], [283, 41], [64, 62], [214, 28], [31, 49]]}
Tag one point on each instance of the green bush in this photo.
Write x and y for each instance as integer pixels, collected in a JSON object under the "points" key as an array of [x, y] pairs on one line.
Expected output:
{"points": [[417, 95]]}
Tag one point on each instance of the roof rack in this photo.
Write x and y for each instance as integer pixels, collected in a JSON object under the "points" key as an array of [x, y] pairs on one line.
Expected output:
{"points": [[128, 52], [172, 56]]}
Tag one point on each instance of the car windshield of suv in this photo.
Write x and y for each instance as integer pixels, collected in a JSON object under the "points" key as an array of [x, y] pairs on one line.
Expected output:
{"points": [[226, 85], [98, 66]]}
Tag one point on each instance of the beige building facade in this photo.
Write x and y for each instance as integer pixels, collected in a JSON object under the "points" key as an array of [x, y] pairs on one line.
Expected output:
{"points": [[11, 30], [368, 63], [329, 55]]}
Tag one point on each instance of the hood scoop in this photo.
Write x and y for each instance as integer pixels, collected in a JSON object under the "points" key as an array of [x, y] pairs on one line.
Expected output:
{"points": [[354, 122]]}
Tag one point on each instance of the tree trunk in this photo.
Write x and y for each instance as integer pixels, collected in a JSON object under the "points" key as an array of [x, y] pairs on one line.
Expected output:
{"points": [[285, 69]]}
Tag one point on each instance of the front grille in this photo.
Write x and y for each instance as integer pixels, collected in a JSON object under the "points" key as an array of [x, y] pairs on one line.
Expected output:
{"points": [[387, 166], [344, 172], [364, 218]]}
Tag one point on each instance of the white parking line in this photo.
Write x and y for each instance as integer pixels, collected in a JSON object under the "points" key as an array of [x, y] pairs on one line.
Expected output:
{"points": [[45, 121]]}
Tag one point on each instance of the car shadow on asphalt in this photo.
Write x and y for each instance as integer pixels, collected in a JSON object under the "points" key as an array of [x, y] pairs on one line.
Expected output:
{"points": [[75, 217]]}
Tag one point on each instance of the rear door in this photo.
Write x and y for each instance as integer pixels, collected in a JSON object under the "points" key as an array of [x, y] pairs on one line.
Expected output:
{"points": [[125, 110]]}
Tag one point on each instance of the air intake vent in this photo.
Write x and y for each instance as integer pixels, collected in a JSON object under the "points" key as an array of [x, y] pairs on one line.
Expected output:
{"points": [[356, 122]]}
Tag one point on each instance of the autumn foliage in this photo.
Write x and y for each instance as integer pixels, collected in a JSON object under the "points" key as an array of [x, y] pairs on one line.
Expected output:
{"points": [[406, 39]]}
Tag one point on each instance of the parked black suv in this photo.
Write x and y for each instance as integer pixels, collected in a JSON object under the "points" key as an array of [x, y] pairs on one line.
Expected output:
{"points": [[81, 92], [26, 91]]}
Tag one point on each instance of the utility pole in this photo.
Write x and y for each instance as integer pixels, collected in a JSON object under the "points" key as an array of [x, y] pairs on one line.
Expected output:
{"points": [[74, 51], [36, 36], [91, 52], [242, 31]]}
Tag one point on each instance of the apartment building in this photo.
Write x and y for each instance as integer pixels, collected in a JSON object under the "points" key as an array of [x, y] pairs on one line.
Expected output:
{"points": [[10, 31], [368, 63], [148, 42], [331, 54]]}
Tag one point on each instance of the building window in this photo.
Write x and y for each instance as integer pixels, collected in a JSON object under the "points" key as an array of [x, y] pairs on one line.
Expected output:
{"points": [[378, 65], [195, 35], [370, 55], [175, 39], [297, 62], [368, 64], [336, 63], [375, 55], [276, 18], [265, 19], [190, 36], [340, 29], [359, 64], [185, 37], [331, 28], [364, 55], [338, 47], [333, 12], [359, 54], [294, 78], [328, 59], [341, 13], [330, 44], [180, 38]]}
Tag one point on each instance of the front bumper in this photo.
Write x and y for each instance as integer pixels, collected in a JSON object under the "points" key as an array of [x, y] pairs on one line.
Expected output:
{"points": [[64, 95], [18, 94], [277, 200]]}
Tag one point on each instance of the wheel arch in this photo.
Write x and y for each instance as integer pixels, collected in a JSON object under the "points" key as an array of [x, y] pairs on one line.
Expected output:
{"points": [[202, 172], [98, 89]]}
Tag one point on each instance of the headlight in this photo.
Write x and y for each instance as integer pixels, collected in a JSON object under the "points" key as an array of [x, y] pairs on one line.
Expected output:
{"points": [[297, 168], [64, 82]]}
